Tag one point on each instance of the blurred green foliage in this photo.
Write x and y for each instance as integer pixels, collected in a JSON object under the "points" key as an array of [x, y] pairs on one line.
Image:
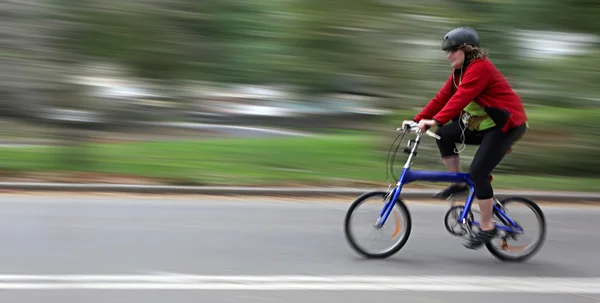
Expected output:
{"points": [[391, 47], [316, 44], [339, 159]]}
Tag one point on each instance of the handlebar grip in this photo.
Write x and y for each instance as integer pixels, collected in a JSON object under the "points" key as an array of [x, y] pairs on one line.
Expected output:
{"points": [[432, 134]]}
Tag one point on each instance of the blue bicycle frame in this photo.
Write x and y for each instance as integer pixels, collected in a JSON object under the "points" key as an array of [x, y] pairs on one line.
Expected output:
{"points": [[409, 176]]}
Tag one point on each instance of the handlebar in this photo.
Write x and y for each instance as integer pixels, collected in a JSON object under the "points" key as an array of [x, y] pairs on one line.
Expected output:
{"points": [[409, 126], [414, 127]]}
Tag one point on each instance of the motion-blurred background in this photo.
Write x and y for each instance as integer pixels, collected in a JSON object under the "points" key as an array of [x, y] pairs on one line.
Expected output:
{"points": [[279, 92]]}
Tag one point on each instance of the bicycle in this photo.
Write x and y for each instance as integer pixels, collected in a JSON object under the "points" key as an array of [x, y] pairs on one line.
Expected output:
{"points": [[459, 215]]}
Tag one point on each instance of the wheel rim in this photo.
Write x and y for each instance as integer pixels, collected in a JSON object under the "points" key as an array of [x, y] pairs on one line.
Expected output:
{"points": [[362, 223]]}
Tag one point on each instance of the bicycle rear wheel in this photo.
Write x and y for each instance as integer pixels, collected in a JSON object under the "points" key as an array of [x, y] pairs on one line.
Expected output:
{"points": [[502, 247], [398, 224]]}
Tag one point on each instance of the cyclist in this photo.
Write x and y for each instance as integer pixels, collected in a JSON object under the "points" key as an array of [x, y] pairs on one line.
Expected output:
{"points": [[475, 106]]}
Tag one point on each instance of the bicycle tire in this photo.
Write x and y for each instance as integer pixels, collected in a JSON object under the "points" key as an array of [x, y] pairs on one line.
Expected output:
{"points": [[498, 253], [393, 249]]}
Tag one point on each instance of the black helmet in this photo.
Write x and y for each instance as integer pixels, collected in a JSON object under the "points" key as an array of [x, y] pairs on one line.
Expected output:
{"points": [[460, 36]]}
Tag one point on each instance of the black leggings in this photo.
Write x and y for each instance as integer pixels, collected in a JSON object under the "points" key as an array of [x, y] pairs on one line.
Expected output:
{"points": [[493, 146]]}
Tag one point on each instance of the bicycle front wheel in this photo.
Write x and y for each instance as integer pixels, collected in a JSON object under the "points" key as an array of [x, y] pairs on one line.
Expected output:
{"points": [[395, 231]]}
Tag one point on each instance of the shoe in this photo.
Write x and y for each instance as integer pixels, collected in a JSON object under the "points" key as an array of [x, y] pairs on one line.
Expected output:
{"points": [[451, 190], [480, 238]]}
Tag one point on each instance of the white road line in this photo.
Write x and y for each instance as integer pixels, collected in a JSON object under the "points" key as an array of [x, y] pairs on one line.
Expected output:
{"points": [[357, 283]]}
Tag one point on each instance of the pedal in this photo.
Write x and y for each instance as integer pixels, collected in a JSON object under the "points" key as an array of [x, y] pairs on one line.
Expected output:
{"points": [[450, 192]]}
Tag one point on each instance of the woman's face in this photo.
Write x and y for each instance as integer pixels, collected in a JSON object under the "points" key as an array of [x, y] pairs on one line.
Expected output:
{"points": [[456, 58]]}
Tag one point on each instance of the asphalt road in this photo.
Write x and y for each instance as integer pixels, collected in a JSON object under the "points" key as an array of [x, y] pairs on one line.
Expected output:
{"points": [[76, 248]]}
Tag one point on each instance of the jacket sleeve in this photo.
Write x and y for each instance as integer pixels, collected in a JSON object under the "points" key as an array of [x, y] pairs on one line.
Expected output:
{"points": [[437, 103], [474, 82]]}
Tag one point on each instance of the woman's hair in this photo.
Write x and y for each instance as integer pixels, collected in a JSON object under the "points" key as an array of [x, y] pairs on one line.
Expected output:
{"points": [[473, 52]]}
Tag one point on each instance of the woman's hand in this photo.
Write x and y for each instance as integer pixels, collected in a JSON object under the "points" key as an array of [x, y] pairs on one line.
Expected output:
{"points": [[424, 125], [405, 122]]}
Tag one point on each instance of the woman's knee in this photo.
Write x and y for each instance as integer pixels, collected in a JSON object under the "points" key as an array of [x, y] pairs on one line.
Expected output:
{"points": [[483, 182], [484, 191], [446, 147], [446, 143]]}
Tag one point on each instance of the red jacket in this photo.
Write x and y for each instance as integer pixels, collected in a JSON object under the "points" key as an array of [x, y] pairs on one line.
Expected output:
{"points": [[482, 83]]}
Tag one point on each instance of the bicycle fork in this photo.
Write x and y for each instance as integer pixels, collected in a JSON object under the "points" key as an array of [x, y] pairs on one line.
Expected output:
{"points": [[390, 200]]}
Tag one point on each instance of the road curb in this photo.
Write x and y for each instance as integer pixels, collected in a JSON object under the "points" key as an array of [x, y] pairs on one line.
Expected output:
{"points": [[407, 193]]}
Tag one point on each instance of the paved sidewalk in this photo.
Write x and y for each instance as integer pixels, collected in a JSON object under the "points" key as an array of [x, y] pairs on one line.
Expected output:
{"points": [[408, 193]]}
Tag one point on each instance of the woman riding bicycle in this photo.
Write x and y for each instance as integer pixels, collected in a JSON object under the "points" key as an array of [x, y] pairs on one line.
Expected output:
{"points": [[475, 106]]}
